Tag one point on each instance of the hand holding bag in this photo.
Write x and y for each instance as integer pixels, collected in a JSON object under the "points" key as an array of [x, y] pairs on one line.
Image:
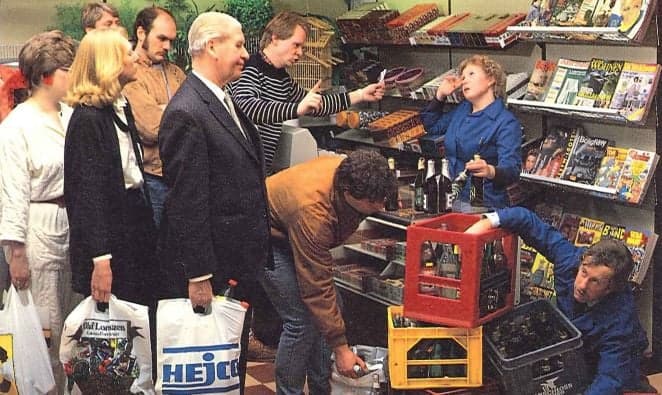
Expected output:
{"points": [[25, 367], [107, 352], [198, 353]]}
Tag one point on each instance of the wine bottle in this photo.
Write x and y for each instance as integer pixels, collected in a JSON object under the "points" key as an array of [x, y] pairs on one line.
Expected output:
{"points": [[419, 185], [431, 197], [445, 188], [391, 203], [476, 192]]}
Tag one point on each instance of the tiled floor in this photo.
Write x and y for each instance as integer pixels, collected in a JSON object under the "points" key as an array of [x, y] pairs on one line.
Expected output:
{"points": [[260, 379]]}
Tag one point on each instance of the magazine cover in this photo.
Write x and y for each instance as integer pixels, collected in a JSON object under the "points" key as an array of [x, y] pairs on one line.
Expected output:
{"points": [[612, 231], [565, 11], [569, 226], [7, 376], [635, 90], [589, 231], [610, 167], [550, 213], [641, 245], [602, 12], [585, 159], [551, 152], [566, 80], [542, 279], [599, 83], [584, 16], [541, 77], [636, 175]]}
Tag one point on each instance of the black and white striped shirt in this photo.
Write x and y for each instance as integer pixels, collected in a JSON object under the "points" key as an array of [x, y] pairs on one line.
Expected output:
{"points": [[269, 97]]}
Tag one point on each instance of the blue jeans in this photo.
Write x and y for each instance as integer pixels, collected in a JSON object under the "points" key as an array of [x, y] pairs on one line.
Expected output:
{"points": [[157, 195], [302, 351]]}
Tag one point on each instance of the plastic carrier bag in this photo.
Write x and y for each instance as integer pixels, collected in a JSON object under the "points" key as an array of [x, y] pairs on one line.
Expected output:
{"points": [[107, 352], [25, 367], [198, 353], [376, 361]]}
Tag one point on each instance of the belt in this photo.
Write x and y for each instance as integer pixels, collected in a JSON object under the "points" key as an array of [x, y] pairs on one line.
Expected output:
{"points": [[58, 200]]}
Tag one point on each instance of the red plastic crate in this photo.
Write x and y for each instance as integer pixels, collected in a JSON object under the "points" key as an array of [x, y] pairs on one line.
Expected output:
{"points": [[462, 309]]}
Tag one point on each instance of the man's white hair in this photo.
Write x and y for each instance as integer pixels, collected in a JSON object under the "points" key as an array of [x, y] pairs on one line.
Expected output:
{"points": [[208, 26]]}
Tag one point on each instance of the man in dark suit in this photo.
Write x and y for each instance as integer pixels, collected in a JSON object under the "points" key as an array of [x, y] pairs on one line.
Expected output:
{"points": [[215, 225]]}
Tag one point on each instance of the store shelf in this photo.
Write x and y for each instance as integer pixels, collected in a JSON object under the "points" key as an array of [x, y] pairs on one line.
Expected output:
{"points": [[357, 247], [601, 115], [367, 295]]}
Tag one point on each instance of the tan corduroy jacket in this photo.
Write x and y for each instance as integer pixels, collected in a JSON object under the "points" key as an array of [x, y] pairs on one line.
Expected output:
{"points": [[306, 209], [148, 97]]}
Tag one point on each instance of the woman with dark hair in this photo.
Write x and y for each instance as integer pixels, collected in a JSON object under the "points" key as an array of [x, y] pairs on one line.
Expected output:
{"points": [[33, 228], [112, 231]]}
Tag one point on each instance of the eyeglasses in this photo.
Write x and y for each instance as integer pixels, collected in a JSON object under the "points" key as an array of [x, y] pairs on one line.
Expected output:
{"points": [[65, 69]]}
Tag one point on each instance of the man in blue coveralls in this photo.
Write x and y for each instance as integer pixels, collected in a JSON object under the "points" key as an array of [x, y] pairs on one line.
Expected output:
{"points": [[592, 290]]}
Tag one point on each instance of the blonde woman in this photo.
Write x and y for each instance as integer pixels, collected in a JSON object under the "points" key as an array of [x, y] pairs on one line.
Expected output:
{"points": [[112, 230], [34, 228]]}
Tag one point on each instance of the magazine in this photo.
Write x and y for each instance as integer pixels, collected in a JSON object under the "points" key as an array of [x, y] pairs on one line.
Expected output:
{"points": [[610, 167], [584, 16], [599, 83], [552, 149], [569, 226], [566, 80], [541, 77], [585, 159], [589, 232], [642, 245], [635, 90], [636, 175], [565, 11]]}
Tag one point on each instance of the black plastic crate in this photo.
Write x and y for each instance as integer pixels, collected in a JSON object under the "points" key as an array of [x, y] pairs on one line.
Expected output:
{"points": [[535, 349]]}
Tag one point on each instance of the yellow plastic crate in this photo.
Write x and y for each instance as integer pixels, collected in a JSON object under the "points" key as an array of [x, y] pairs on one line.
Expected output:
{"points": [[431, 357]]}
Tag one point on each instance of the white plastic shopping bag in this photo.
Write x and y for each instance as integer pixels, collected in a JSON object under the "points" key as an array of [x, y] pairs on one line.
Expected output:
{"points": [[375, 359], [198, 353], [107, 352], [25, 367]]}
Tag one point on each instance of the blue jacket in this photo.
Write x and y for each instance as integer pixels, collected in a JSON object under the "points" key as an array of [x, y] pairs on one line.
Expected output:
{"points": [[613, 337], [493, 132]]}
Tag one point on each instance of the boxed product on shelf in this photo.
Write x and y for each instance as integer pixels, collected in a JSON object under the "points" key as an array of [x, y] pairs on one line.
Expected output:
{"points": [[389, 284], [409, 21], [355, 275], [422, 357], [384, 246], [410, 80], [536, 349], [458, 279], [397, 127]]}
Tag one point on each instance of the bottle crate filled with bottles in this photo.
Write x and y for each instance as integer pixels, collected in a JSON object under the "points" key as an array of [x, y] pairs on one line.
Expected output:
{"points": [[535, 349], [458, 279], [424, 355]]}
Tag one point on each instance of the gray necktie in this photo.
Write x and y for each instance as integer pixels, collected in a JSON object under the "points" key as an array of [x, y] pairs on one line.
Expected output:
{"points": [[233, 113]]}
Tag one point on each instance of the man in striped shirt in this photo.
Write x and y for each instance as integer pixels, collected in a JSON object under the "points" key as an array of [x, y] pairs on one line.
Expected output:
{"points": [[269, 95]]}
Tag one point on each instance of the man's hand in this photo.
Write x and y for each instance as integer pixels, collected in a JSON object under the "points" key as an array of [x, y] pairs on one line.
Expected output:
{"points": [[19, 268], [102, 281], [481, 226], [312, 101], [370, 93], [448, 85], [345, 361], [200, 293]]}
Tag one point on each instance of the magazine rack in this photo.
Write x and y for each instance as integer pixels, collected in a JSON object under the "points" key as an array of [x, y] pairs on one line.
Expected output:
{"points": [[603, 115]]}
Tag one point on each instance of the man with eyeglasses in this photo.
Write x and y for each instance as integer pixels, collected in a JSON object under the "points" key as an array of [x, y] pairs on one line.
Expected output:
{"points": [[592, 290]]}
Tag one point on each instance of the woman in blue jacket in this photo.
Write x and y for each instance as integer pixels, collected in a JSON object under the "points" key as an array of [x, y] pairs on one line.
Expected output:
{"points": [[480, 124]]}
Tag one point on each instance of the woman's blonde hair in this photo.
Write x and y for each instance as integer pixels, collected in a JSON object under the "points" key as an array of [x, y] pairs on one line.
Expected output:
{"points": [[491, 68], [94, 74]]}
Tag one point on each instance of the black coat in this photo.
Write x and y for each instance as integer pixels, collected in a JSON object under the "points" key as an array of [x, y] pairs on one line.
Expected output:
{"points": [[215, 218], [103, 218]]}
